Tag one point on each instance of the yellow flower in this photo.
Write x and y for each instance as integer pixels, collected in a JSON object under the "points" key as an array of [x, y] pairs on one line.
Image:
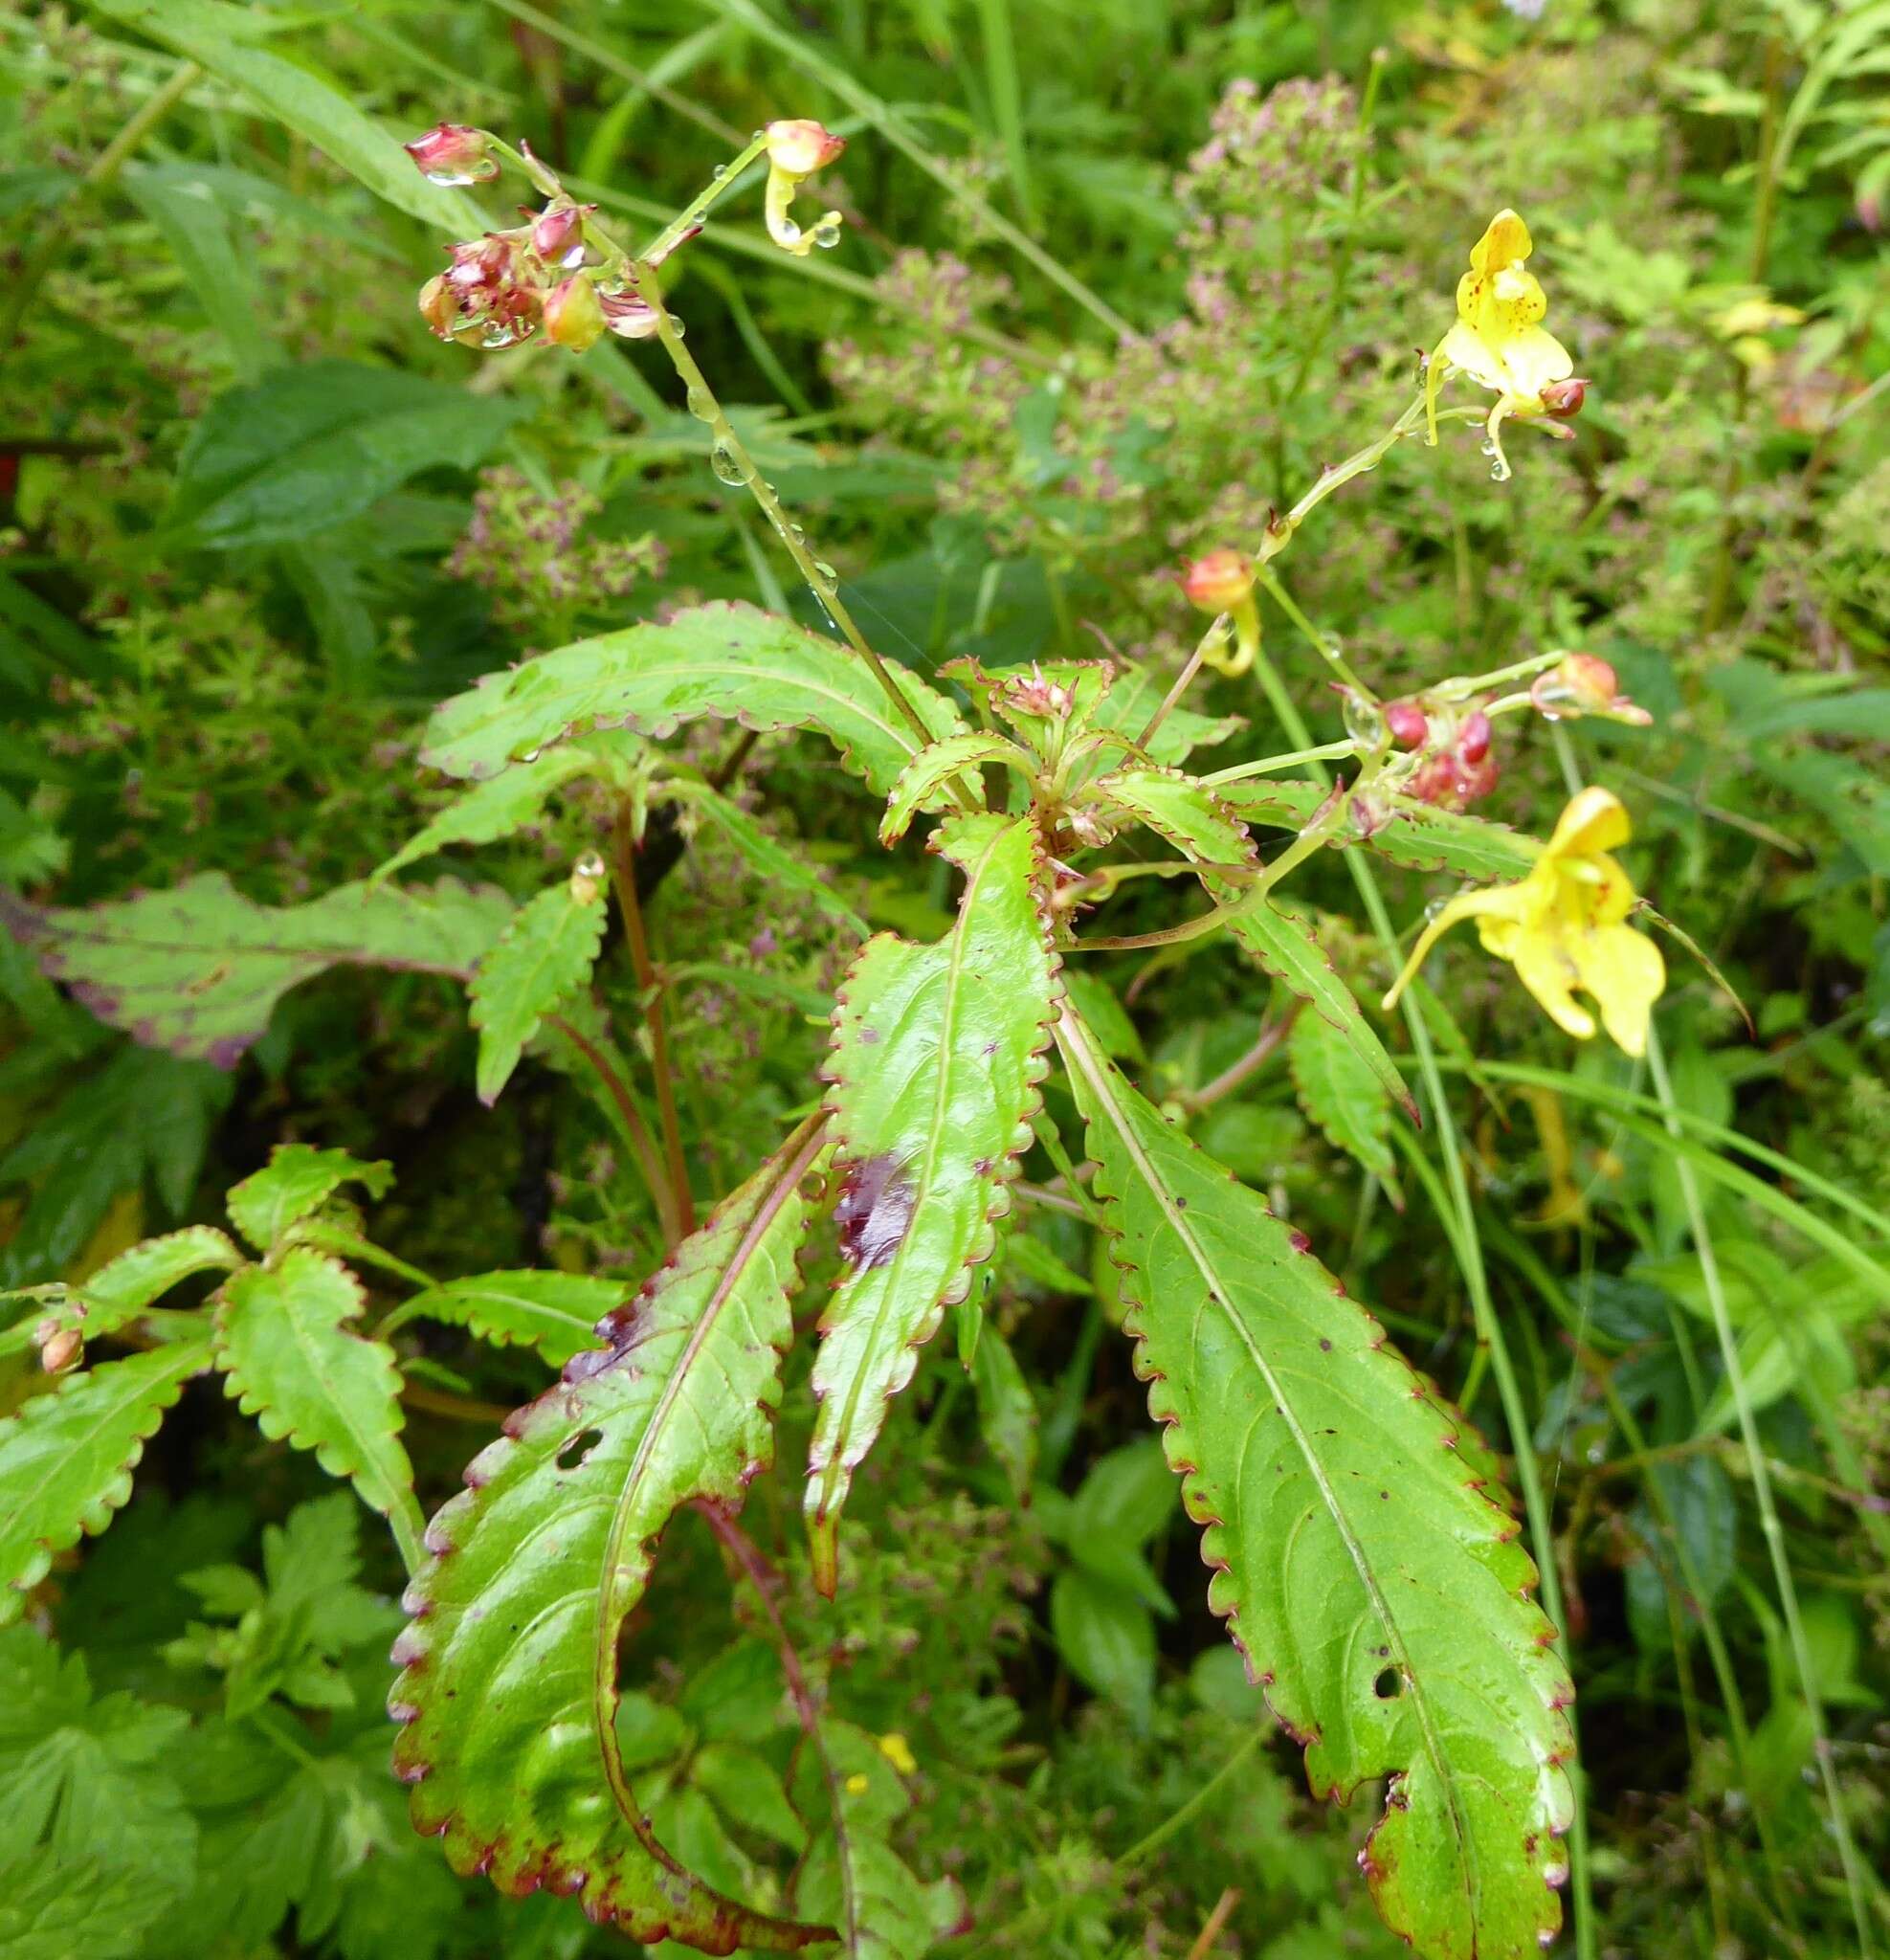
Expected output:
{"points": [[898, 1752], [1499, 338], [795, 150], [1564, 926]]}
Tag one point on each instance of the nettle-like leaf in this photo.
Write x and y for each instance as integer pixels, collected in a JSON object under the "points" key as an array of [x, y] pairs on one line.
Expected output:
{"points": [[936, 1058], [1203, 828], [724, 661], [543, 956], [555, 1312], [199, 970], [508, 1692], [1339, 1091], [124, 1288], [1283, 943], [66, 1457], [1418, 835], [1379, 1598], [851, 1874], [497, 807], [922, 783], [293, 1184], [283, 1342], [774, 862]]}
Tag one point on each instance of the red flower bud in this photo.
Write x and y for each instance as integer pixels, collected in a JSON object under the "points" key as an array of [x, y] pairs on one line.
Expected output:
{"points": [[1473, 742], [1218, 582], [573, 314], [1564, 399], [801, 147], [453, 153], [1406, 720], [557, 234]]}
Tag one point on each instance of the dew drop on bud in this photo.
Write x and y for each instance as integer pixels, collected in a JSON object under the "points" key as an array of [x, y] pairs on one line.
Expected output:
{"points": [[586, 877], [1363, 722]]}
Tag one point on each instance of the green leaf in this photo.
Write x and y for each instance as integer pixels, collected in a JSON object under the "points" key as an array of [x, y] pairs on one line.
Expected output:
{"points": [[1341, 1092], [497, 808], [1106, 1636], [53, 1908], [724, 661], [124, 1287], [298, 1181], [331, 437], [66, 1457], [542, 957], [283, 1342], [1133, 697], [774, 862], [746, 1790], [1282, 943], [1377, 1595], [1418, 835], [923, 783], [199, 970], [196, 228], [936, 1056], [852, 1876], [557, 1313], [214, 36], [1189, 814], [1006, 1411], [508, 1692], [1129, 1495]]}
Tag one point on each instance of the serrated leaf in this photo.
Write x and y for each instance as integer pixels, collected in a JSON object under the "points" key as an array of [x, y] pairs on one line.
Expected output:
{"points": [[1417, 836], [1343, 1095], [923, 783], [509, 1691], [66, 1457], [1283, 943], [1202, 827], [936, 1054], [125, 1286], [292, 1361], [853, 1875], [54, 1908], [199, 970], [497, 807], [724, 661], [555, 1312], [1380, 1599], [298, 1180], [543, 956], [773, 861]]}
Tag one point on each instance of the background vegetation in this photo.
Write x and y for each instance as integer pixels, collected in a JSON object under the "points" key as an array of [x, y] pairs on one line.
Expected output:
{"points": [[1116, 280]]}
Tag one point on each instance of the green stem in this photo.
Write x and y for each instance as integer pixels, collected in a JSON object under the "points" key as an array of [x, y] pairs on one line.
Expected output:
{"points": [[109, 162], [1771, 1530]]}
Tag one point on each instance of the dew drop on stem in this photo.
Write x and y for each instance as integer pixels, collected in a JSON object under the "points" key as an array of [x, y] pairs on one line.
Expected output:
{"points": [[728, 467]]}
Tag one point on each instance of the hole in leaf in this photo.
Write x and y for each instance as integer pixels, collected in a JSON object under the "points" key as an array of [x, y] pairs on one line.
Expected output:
{"points": [[1388, 1685], [578, 1448]]}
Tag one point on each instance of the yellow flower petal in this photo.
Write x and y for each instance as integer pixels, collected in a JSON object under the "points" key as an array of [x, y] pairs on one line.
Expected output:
{"points": [[1504, 240], [1595, 821], [1534, 358], [898, 1752], [1624, 972], [1496, 898], [1464, 347], [1547, 971]]}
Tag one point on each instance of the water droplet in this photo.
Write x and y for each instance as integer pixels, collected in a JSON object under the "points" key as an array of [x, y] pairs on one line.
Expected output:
{"points": [[677, 327], [1364, 721], [450, 180], [1498, 471], [825, 570], [700, 404], [728, 467], [794, 532], [784, 233], [827, 233], [590, 865], [720, 171], [497, 334], [526, 754], [1489, 447]]}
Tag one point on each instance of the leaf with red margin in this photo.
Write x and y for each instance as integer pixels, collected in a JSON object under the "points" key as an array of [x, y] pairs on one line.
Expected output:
{"points": [[936, 1056], [1377, 1596], [509, 1691]]}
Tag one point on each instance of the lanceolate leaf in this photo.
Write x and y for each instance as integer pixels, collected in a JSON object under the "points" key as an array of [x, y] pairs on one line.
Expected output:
{"points": [[546, 953], [1419, 835], [936, 1056], [508, 1695], [1189, 816], [1341, 1094], [66, 1457], [496, 807], [922, 783], [200, 968], [555, 1312], [729, 662], [283, 1339], [1379, 1598], [298, 1180], [1282, 942], [120, 1290]]}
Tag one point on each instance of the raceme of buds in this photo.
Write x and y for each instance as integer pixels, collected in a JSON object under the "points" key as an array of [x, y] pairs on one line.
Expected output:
{"points": [[1036, 695], [1585, 684], [491, 296], [795, 150], [453, 153], [574, 314], [1458, 769], [1223, 582]]}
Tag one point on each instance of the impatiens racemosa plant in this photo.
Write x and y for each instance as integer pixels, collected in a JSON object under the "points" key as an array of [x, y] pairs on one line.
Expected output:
{"points": [[1363, 1554]]}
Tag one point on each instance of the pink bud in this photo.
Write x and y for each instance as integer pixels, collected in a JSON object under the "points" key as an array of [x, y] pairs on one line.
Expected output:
{"points": [[1564, 399], [61, 1350], [1406, 720], [801, 147], [453, 153], [557, 234], [573, 314], [1218, 582], [628, 317], [1473, 742]]}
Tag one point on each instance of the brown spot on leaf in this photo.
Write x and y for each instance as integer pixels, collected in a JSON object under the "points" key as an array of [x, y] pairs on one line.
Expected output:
{"points": [[874, 1211]]}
